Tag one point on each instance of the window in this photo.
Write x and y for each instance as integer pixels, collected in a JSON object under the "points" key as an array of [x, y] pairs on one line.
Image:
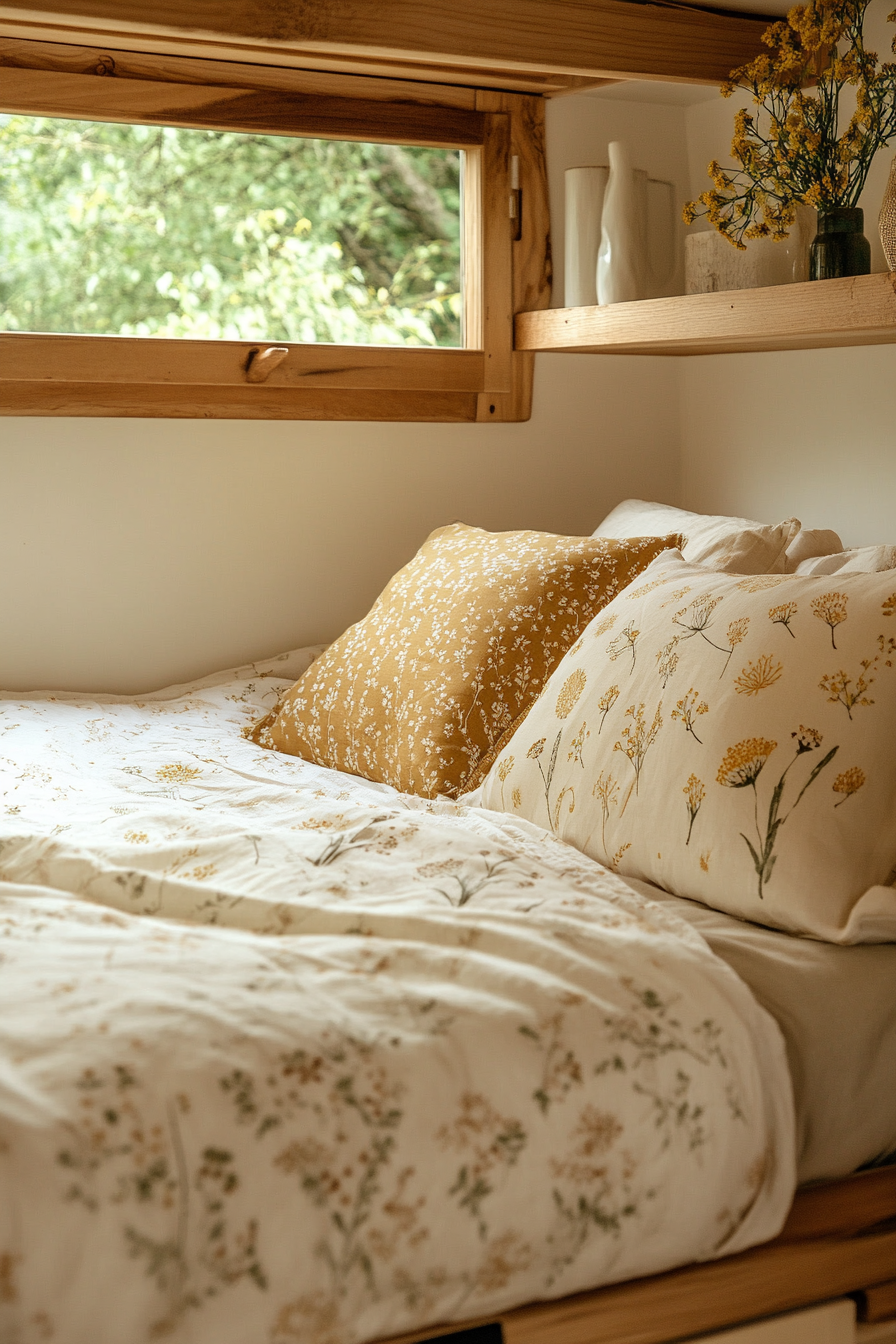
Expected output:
{"points": [[120, 229], [226, 240]]}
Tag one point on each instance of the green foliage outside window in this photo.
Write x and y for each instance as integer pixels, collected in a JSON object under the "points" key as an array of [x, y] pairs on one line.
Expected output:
{"points": [[156, 231]]}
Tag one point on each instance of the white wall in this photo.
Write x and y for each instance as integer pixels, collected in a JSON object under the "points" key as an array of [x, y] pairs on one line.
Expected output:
{"points": [[804, 432], [809, 432], [136, 553]]}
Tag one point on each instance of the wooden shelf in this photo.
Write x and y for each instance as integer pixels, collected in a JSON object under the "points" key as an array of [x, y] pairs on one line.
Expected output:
{"points": [[860, 310]]}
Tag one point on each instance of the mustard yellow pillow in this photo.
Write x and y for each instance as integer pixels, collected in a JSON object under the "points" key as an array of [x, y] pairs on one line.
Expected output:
{"points": [[457, 646]]}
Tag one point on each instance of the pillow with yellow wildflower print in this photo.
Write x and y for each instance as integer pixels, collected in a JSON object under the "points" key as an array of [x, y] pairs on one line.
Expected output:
{"points": [[730, 739], [457, 646]]}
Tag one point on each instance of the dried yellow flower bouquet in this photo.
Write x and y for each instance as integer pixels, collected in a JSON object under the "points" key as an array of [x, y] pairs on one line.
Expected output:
{"points": [[796, 154]]}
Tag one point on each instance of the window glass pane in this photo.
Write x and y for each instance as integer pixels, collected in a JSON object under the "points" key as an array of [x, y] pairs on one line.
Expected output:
{"points": [[155, 231]]}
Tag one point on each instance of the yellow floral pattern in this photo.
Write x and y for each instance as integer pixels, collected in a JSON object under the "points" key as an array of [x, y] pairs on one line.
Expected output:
{"points": [[755, 764], [742, 766], [688, 709], [830, 608], [758, 583], [783, 614], [421, 693], [695, 794], [606, 703], [570, 693], [286, 1052], [758, 676], [848, 783]]}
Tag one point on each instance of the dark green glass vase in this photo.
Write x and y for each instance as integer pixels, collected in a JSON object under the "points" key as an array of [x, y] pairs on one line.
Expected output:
{"points": [[839, 247]]}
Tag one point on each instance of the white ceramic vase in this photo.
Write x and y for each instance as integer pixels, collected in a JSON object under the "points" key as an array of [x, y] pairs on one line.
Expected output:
{"points": [[621, 258], [585, 189]]}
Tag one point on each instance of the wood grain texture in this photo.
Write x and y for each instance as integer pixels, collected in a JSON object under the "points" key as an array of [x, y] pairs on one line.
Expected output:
{"points": [[262, 402], [815, 1258], [842, 1208], [531, 253], [496, 261], [155, 362], [686, 1302], [878, 1303], [66, 58], [590, 38], [176, 44], [860, 310], [471, 248], [216, 107]]}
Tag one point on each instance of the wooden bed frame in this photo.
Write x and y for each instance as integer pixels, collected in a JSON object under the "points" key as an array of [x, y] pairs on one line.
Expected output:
{"points": [[839, 1240]]}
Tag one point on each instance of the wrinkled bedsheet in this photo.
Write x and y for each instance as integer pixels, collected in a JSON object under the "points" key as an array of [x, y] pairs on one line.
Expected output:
{"points": [[285, 1056]]}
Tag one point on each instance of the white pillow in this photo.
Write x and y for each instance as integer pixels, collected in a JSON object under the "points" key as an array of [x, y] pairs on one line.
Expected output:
{"points": [[731, 545], [862, 560], [730, 740], [808, 544]]}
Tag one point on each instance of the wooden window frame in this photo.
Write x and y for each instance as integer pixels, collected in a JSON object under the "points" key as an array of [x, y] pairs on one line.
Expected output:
{"points": [[506, 262]]}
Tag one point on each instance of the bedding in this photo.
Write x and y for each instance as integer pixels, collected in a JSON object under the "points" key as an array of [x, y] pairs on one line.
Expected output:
{"points": [[836, 1007], [289, 1056], [732, 545], [730, 740], [860, 560], [456, 647]]}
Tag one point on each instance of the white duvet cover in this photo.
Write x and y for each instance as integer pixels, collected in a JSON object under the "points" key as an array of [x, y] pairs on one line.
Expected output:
{"points": [[289, 1057]]}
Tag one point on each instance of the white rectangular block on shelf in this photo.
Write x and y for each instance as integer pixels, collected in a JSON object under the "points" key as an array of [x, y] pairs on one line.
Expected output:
{"points": [[832, 1323], [713, 265]]}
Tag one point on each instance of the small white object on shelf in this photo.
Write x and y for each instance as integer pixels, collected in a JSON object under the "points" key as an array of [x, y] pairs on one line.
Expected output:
{"points": [[712, 264], [585, 189], [622, 256]]}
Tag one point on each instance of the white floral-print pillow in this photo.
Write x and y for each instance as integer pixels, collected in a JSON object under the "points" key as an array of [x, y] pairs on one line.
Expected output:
{"points": [[731, 739]]}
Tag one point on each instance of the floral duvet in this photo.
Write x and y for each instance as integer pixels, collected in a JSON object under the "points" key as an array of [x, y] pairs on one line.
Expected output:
{"points": [[289, 1057]]}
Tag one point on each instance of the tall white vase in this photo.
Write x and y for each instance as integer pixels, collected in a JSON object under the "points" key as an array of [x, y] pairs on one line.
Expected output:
{"points": [[585, 189], [621, 258]]}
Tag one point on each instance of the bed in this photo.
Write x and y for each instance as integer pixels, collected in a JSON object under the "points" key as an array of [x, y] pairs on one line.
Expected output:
{"points": [[251, 1012]]}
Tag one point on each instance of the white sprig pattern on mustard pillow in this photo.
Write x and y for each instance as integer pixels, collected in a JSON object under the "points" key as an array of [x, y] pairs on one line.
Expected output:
{"points": [[457, 647], [731, 743]]}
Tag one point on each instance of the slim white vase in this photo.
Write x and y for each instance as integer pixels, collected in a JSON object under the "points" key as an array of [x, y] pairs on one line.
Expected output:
{"points": [[621, 258], [585, 189]]}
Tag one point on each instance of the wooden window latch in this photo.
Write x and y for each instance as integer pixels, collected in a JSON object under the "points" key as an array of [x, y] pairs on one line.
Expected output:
{"points": [[261, 363]]}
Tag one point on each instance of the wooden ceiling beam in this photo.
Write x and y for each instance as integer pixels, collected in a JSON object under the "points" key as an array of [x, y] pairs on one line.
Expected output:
{"points": [[571, 40]]}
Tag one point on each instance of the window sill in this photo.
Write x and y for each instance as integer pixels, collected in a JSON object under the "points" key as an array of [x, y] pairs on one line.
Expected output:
{"points": [[128, 375]]}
